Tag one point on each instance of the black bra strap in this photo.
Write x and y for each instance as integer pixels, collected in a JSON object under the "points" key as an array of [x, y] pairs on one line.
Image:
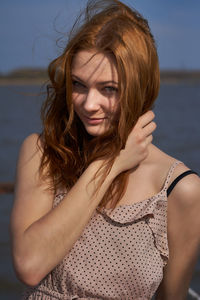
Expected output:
{"points": [[172, 185]]}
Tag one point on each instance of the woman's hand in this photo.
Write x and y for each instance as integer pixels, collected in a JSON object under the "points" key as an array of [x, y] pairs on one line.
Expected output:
{"points": [[136, 148]]}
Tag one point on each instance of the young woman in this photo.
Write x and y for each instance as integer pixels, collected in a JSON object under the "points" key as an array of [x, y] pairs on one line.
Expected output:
{"points": [[97, 213]]}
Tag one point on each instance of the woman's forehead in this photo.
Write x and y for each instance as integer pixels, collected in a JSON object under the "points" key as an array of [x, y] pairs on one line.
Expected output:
{"points": [[94, 66]]}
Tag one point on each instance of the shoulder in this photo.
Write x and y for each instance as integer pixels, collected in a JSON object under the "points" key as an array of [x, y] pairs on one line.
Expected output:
{"points": [[186, 194], [28, 172], [32, 142], [31, 147], [184, 205], [30, 156], [187, 188]]}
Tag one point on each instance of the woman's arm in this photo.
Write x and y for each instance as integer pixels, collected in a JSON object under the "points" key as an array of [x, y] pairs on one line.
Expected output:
{"points": [[41, 237], [183, 238]]}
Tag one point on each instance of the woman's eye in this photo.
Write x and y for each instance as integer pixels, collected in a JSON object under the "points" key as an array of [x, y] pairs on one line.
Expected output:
{"points": [[110, 89], [78, 86]]}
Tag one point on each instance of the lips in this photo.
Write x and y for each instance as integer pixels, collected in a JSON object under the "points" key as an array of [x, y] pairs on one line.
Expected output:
{"points": [[93, 121]]}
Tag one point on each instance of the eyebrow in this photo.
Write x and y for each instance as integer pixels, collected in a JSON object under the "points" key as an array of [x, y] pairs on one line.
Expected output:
{"points": [[101, 82]]}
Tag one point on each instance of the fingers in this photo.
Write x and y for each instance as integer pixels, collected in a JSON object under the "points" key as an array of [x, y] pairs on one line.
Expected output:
{"points": [[144, 127], [136, 148], [149, 139], [145, 119], [149, 129]]}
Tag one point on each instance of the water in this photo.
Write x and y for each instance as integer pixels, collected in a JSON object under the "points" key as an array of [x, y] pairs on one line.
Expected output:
{"points": [[178, 133]]}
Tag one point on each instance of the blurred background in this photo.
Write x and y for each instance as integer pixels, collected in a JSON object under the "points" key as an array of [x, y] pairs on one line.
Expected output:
{"points": [[32, 33]]}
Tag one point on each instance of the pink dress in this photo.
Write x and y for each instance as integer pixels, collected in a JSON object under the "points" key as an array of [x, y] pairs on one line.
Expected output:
{"points": [[119, 256]]}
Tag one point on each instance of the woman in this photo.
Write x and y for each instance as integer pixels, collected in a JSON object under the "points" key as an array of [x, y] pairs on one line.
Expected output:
{"points": [[92, 217]]}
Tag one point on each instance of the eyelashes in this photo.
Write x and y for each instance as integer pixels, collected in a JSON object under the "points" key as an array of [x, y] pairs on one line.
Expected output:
{"points": [[80, 87], [111, 89], [77, 84]]}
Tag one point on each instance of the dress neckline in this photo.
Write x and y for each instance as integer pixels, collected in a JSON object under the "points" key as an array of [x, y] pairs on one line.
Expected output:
{"points": [[163, 191]]}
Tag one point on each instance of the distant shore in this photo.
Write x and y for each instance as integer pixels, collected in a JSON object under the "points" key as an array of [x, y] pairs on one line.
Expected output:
{"points": [[26, 76], [29, 76], [178, 76], [21, 81]]}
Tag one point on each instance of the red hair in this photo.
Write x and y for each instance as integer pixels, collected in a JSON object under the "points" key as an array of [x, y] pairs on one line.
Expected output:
{"points": [[112, 28]]}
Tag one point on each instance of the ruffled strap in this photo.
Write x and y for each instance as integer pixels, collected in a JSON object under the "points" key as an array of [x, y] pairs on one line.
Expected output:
{"points": [[152, 210], [158, 223], [170, 173]]}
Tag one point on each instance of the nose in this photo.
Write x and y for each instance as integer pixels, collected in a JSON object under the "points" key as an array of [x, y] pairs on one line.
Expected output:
{"points": [[92, 101]]}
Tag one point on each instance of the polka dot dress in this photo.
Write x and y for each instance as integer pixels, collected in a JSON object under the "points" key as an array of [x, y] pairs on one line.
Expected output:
{"points": [[119, 256]]}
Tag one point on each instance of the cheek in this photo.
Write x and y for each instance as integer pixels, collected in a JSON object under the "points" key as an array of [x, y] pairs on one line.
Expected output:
{"points": [[111, 103], [116, 110], [115, 106], [77, 100]]}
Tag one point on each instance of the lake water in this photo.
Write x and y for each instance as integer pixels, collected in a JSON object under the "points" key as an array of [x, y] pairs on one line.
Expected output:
{"points": [[178, 133]]}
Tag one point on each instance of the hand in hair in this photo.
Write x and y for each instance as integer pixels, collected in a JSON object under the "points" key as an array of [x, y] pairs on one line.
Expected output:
{"points": [[136, 148]]}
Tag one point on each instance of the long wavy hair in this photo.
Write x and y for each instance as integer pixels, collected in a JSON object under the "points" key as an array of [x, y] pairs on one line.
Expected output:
{"points": [[108, 27]]}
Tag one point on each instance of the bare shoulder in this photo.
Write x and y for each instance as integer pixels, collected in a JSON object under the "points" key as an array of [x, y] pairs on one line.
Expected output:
{"points": [[187, 187], [29, 161], [31, 146], [186, 193], [30, 155], [32, 139]]}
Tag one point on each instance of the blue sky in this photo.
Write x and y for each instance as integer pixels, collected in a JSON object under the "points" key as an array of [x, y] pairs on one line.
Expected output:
{"points": [[28, 35]]}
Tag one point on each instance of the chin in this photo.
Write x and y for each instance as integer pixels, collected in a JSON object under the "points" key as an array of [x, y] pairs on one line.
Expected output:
{"points": [[95, 131]]}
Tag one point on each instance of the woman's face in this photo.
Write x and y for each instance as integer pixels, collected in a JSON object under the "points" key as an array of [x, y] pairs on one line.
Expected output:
{"points": [[95, 91]]}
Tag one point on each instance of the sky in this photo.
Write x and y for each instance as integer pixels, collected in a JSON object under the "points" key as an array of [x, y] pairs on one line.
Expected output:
{"points": [[30, 31]]}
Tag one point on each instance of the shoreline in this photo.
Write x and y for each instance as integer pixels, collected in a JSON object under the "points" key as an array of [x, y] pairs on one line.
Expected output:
{"points": [[23, 81], [44, 82], [39, 76], [165, 78]]}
